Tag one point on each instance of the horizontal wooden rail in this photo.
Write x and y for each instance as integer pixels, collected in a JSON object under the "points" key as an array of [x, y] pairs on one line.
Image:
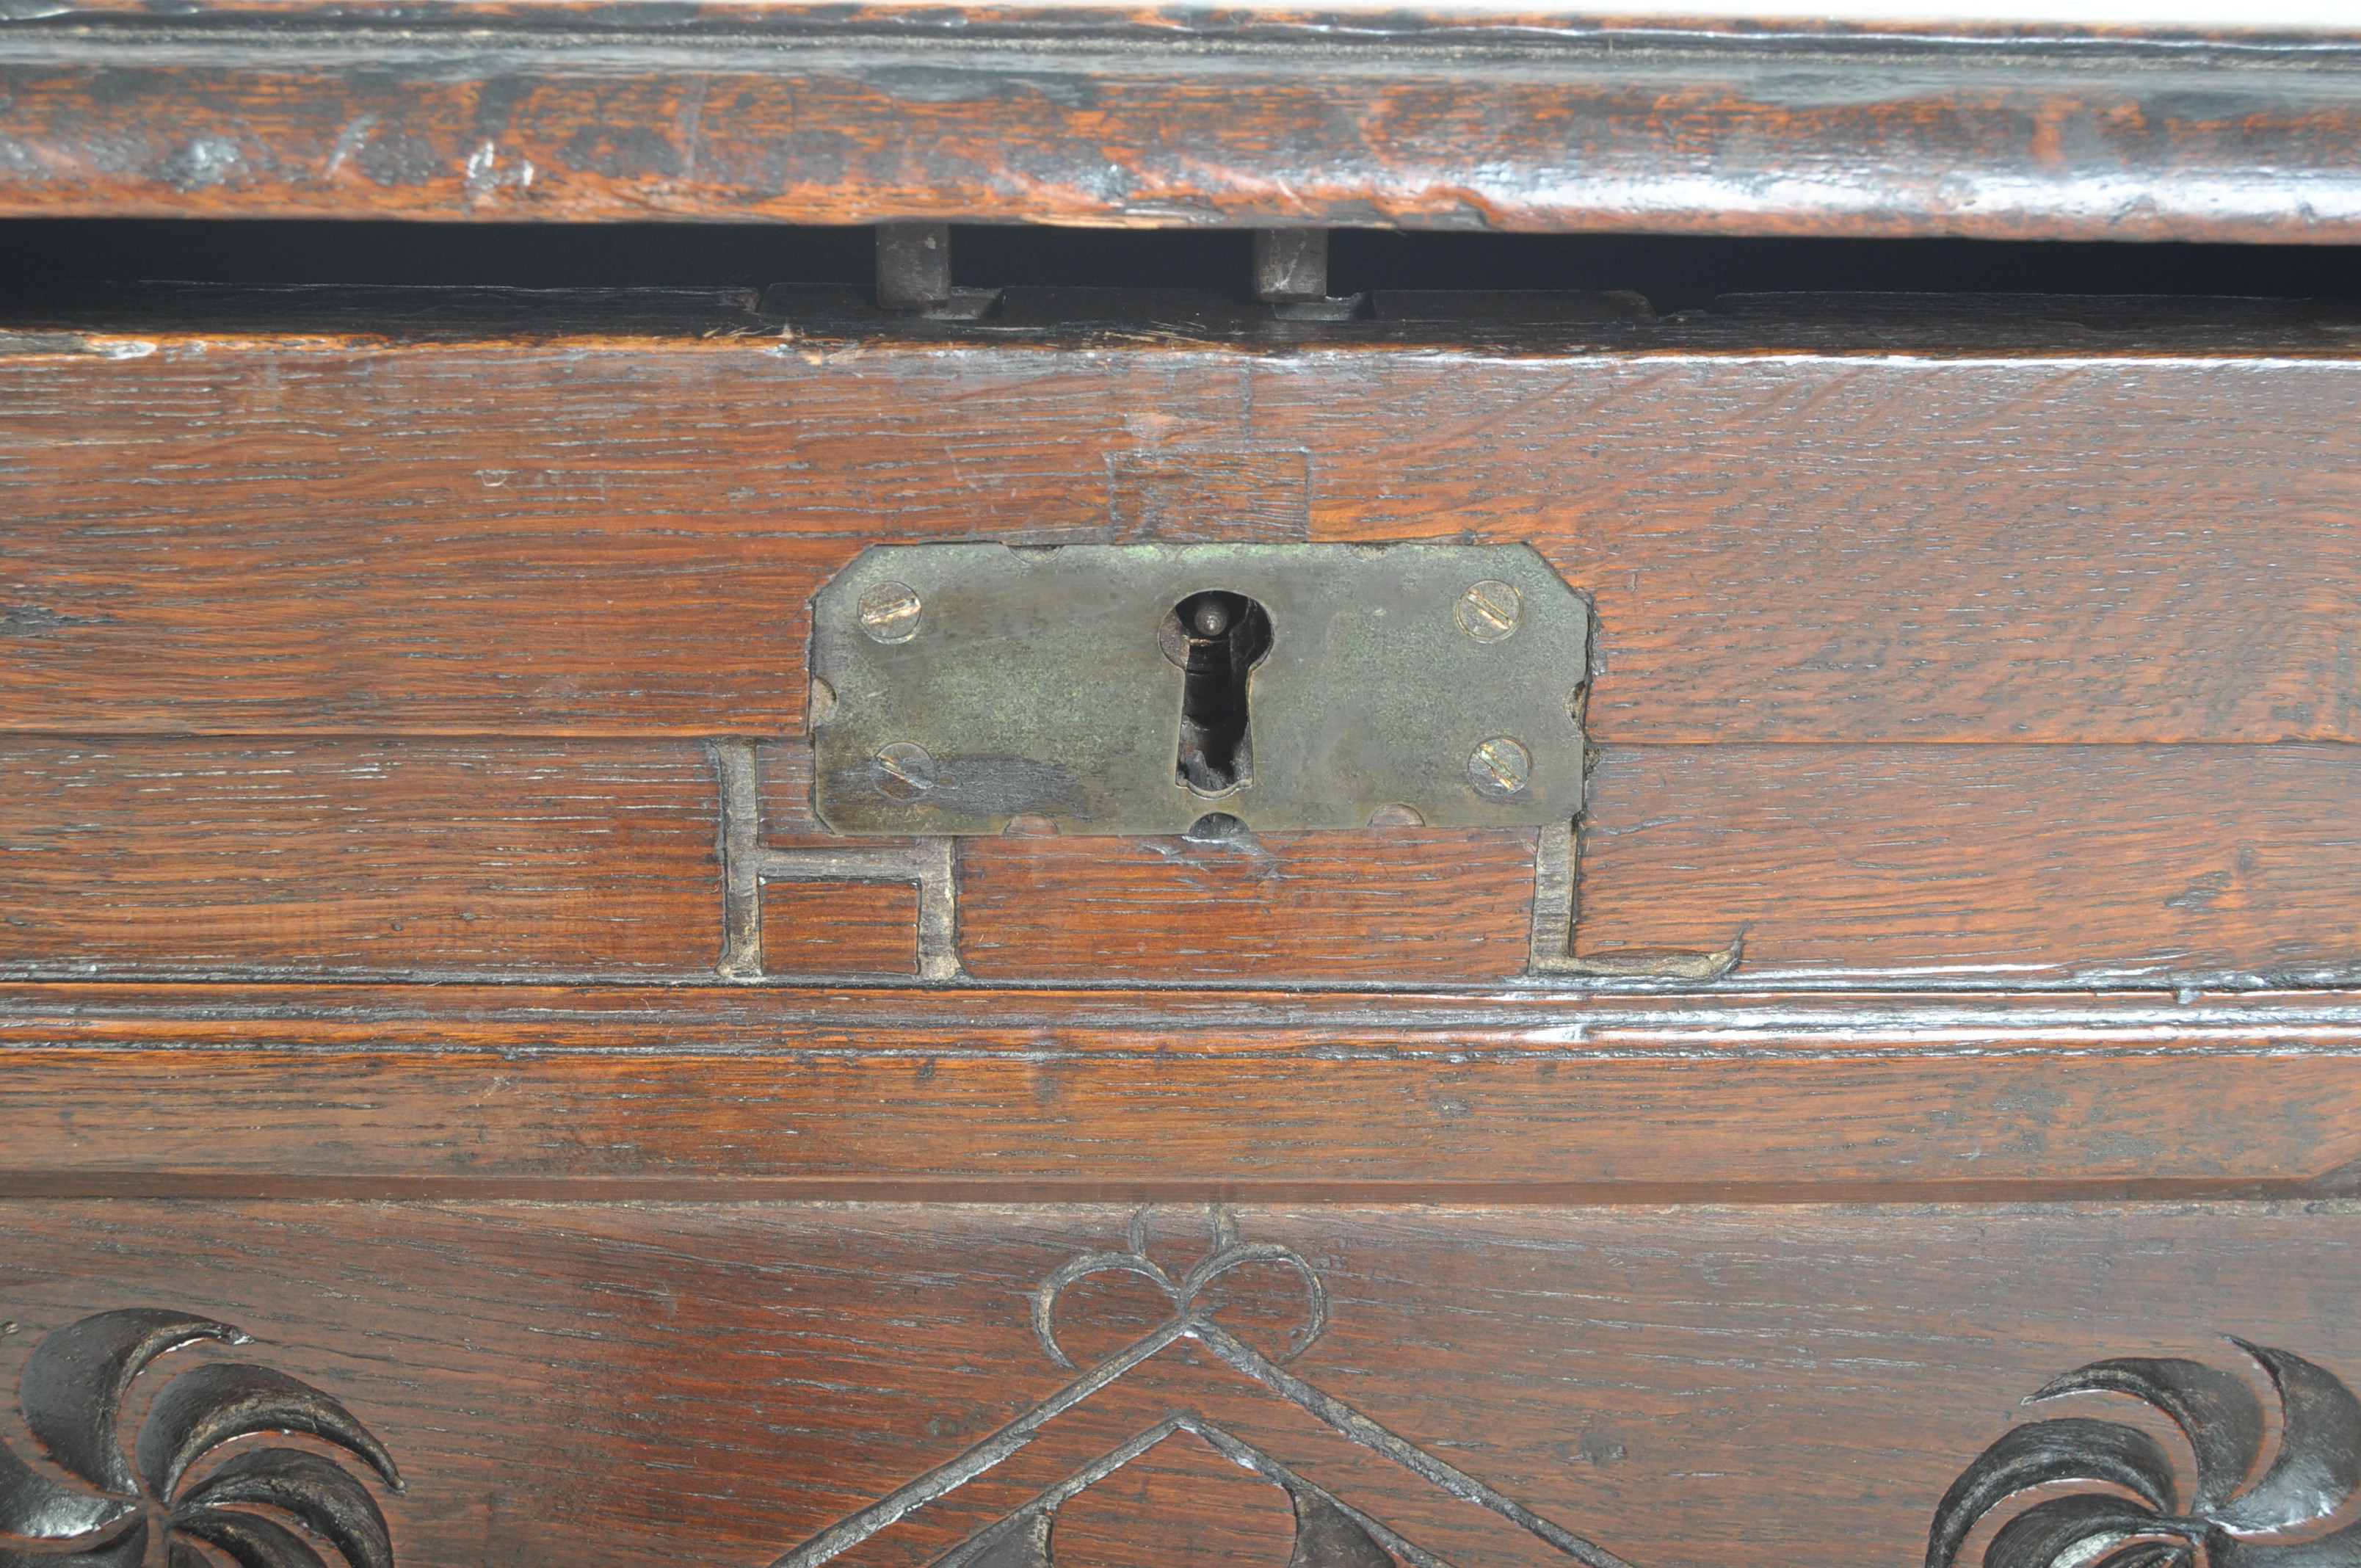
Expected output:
{"points": [[823, 115], [2121, 540], [522, 1092]]}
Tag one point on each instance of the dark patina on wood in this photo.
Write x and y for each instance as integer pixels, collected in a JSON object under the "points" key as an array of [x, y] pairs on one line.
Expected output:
{"points": [[823, 113]]}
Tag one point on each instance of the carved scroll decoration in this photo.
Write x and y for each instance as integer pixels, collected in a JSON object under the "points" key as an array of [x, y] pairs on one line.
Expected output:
{"points": [[1329, 1532], [2137, 1520], [73, 1393]]}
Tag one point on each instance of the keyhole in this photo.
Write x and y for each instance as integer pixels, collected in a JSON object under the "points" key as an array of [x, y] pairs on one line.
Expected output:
{"points": [[1218, 638]]}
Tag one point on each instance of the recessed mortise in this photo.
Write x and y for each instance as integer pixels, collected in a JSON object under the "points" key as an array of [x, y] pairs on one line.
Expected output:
{"points": [[1217, 638]]}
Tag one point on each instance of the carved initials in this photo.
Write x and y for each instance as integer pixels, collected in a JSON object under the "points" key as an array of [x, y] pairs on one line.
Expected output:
{"points": [[747, 863]]}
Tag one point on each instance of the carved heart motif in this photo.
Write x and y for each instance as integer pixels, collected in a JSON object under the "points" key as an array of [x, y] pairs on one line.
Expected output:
{"points": [[1187, 1294]]}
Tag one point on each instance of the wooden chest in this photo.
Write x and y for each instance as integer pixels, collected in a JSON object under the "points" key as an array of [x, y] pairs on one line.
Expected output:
{"points": [[1767, 971]]}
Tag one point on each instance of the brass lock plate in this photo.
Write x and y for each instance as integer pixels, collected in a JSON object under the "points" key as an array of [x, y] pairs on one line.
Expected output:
{"points": [[1141, 689]]}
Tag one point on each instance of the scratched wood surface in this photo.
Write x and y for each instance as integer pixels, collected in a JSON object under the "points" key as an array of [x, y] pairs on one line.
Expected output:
{"points": [[822, 114], [615, 536], [716, 1384]]}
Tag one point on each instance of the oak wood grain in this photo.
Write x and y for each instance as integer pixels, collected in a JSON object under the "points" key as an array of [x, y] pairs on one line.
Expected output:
{"points": [[2121, 866], [988, 1112], [615, 536], [1109, 115], [1391, 904], [525, 1091], [712, 1383], [1842, 550], [840, 928], [314, 857], [2161, 864]]}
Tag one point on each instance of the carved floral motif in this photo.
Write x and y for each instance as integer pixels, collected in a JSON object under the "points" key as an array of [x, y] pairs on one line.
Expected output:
{"points": [[2069, 1492], [72, 1394], [2233, 1519]]}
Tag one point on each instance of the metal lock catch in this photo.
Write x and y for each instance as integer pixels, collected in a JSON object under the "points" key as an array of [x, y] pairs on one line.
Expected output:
{"points": [[1143, 688]]}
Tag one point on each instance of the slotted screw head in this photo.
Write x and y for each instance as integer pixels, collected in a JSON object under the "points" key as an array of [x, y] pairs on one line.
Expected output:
{"points": [[1500, 768], [889, 611], [1489, 610], [905, 770]]}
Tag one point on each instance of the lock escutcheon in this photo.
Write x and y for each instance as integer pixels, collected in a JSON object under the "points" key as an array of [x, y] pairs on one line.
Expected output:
{"points": [[1133, 689]]}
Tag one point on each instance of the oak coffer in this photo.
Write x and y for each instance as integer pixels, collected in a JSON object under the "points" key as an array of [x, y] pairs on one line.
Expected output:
{"points": [[1331, 790]]}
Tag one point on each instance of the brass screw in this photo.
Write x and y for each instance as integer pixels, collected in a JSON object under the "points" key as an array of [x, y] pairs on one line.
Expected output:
{"points": [[905, 770], [889, 611], [1500, 767], [1489, 610]]}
